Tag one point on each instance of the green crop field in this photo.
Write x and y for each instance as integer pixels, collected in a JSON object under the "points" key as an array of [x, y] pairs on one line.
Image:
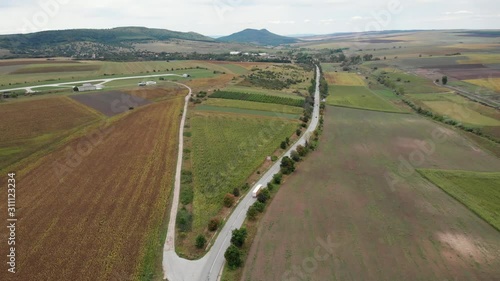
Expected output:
{"points": [[257, 98], [254, 106], [358, 97], [480, 192], [412, 84], [247, 111], [226, 149], [255, 90]]}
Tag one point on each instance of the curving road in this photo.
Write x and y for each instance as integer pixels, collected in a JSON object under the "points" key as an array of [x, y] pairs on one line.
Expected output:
{"points": [[210, 266]]}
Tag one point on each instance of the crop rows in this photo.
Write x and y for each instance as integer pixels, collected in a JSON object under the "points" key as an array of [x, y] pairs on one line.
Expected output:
{"points": [[226, 150], [257, 98]]}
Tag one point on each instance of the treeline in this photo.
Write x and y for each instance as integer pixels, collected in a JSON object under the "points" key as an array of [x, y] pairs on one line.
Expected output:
{"points": [[448, 121], [257, 98]]}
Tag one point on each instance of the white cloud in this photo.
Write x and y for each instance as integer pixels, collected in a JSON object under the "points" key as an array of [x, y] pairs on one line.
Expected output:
{"points": [[461, 12]]}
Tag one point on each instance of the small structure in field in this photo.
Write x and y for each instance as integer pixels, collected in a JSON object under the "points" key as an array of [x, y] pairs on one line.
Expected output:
{"points": [[142, 84], [185, 75], [234, 53], [88, 87], [150, 83]]}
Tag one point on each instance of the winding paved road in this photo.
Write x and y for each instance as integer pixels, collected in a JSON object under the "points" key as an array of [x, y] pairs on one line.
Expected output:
{"points": [[209, 267]]}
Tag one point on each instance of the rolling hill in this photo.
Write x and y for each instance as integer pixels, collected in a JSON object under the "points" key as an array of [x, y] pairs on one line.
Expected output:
{"points": [[259, 37], [114, 36]]}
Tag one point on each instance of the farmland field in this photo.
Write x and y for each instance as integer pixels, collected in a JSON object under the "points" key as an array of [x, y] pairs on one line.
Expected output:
{"points": [[100, 215], [254, 105], [227, 149], [257, 98], [340, 202], [225, 109], [254, 90], [110, 103], [490, 83], [478, 191], [358, 97], [35, 124], [344, 79]]}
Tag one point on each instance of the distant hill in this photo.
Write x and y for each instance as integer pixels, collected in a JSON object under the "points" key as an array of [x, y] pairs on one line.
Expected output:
{"points": [[259, 37], [114, 36]]}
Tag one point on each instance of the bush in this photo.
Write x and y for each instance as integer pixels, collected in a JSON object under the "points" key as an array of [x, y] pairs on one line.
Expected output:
{"points": [[259, 206], [200, 241], [274, 158], [298, 132], [277, 178], [184, 220], [270, 186], [246, 186], [295, 156], [213, 224], [252, 213], [233, 257], [238, 237], [228, 200], [283, 145], [302, 150], [263, 196], [287, 165], [236, 192]]}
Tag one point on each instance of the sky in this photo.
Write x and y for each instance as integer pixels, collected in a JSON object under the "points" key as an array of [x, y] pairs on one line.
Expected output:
{"points": [[223, 17]]}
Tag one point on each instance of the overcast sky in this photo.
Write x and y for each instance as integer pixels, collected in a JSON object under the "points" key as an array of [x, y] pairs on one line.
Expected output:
{"points": [[222, 17]]}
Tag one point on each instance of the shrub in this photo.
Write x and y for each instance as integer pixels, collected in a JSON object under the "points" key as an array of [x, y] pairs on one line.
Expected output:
{"points": [[259, 206], [277, 178], [295, 156], [184, 220], [229, 200], [274, 158], [213, 224], [200, 241], [287, 165], [252, 213], [298, 132]]}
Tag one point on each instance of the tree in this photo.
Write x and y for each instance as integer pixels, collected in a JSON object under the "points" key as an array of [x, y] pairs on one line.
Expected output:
{"points": [[295, 156], [233, 257], [75, 89], [283, 145], [444, 80], [229, 200], [200, 241], [238, 237], [277, 178], [263, 196], [252, 213], [287, 165], [259, 206], [298, 132], [302, 150], [287, 140], [236, 192], [213, 224]]}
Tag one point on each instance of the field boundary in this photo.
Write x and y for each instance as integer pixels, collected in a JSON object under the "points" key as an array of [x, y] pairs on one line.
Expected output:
{"points": [[369, 109], [421, 172]]}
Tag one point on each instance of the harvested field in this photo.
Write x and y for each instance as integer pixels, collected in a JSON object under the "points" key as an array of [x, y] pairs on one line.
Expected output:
{"points": [[110, 103], [255, 90], [469, 71], [154, 94], [344, 79], [490, 83], [35, 124], [101, 215], [358, 97], [57, 68], [10, 62], [340, 202]]}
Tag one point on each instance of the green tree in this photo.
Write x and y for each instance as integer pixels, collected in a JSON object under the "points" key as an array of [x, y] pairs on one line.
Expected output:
{"points": [[263, 196], [252, 213], [277, 178], [287, 165], [295, 156], [259, 206], [238, 237], [302, 150], [233, 257], [444, 80], [200, 241], [236, 192], [283, 145]]}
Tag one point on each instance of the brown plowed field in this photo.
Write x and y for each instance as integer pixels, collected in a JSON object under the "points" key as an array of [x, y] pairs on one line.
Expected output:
{"points": [[96, 210], [339, 197]]}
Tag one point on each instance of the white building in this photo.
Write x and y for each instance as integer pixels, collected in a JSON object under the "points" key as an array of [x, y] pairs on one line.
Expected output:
{"points": [[234, 53], [88, 87]]}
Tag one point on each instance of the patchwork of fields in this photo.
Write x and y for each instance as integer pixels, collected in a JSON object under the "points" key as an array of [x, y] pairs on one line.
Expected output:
{"points": [[33, 125], [226, 150], [358, 97], [100, 214], [341, 205]]}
